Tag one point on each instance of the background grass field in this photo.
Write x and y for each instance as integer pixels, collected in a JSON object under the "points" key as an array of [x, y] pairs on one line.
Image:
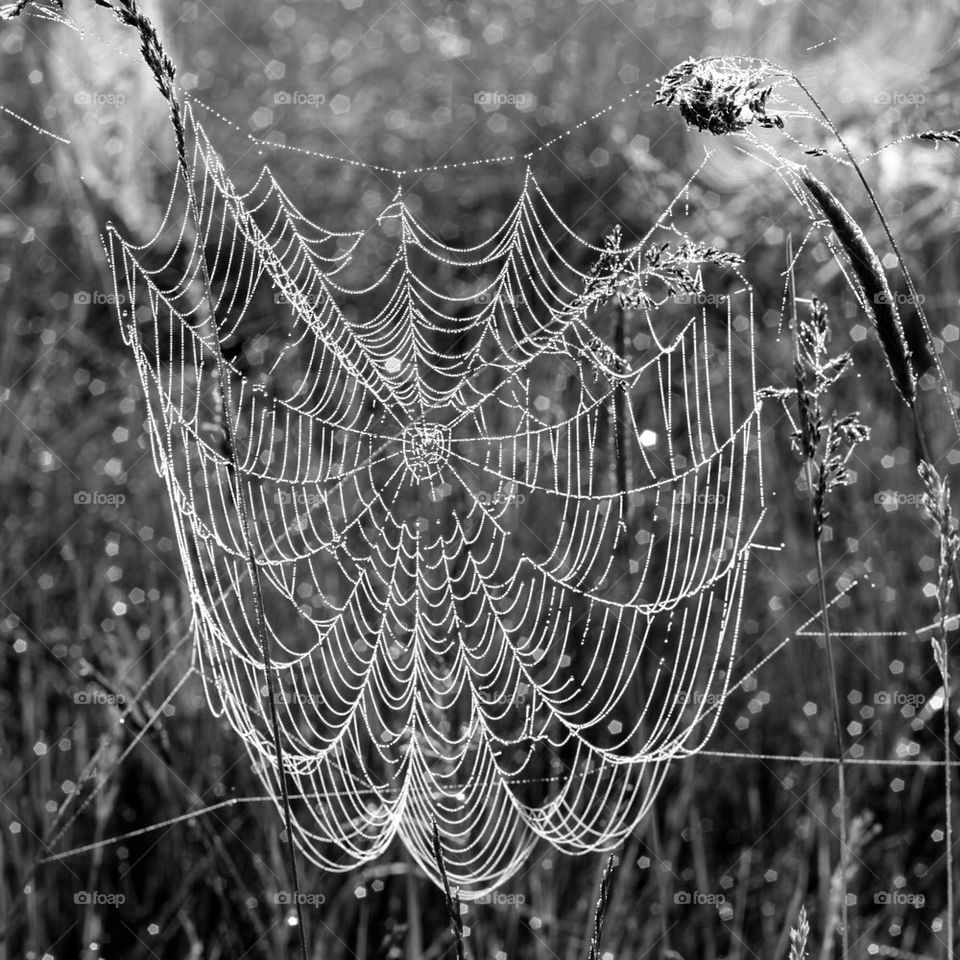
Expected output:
{"points": [[91, 600]]}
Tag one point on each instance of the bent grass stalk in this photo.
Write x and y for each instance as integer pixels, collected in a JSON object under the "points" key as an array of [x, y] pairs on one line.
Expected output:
{"points": [[779, 71]]}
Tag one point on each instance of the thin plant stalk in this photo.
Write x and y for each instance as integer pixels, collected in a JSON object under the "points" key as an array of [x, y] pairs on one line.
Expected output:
{"points": [[600, 911], [950, 564], [936, 503], [949, 557], [451, 899], [825, 620], [269, 669], [163, 70], [873, 281], [947, 784]]}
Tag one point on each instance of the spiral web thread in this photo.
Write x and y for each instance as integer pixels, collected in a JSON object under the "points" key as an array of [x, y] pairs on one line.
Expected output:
{"points": [[502, 561]]}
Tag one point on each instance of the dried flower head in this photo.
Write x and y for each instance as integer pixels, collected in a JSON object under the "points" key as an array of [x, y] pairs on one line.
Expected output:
{"points": [[718, 95]]}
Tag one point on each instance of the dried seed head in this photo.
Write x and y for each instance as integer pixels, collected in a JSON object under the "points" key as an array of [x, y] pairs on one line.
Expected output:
{"points": [[799, 936], [161, 66], [941, 136], [718, 95], [873, 282], [13, 10], [936, 504]]}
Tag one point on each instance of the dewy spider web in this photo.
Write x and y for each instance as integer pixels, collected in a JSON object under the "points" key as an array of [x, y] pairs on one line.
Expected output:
{"points": [[502, 562]]}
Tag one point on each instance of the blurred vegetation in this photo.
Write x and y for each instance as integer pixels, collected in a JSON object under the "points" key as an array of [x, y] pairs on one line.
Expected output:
{"points": [[90, 595]]}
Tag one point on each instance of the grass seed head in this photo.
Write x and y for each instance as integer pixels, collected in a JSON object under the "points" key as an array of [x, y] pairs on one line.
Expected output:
{"points": [[873, 282], [718, 96], [799, 936]]}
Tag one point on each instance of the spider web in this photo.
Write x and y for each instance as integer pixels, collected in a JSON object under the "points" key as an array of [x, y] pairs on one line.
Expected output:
{"points": [[502, 559]]}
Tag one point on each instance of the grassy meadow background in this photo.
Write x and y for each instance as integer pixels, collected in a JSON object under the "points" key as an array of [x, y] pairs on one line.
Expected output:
{"points": [[91, 599]]}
